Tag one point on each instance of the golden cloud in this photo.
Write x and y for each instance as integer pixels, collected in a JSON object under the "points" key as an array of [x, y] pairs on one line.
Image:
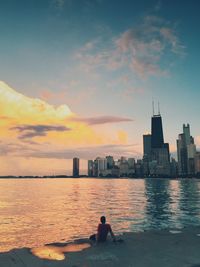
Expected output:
{"points": [[26, 118]]}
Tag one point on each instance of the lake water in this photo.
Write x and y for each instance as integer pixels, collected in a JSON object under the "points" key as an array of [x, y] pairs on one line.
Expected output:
{"points": [[34, 212]]}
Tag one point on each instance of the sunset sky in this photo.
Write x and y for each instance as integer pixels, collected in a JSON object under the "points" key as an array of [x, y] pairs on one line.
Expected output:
{"points": [[78, 78]]}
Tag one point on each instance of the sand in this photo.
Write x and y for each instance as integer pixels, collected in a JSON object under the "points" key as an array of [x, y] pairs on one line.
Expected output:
{"points": [[163, 248]]}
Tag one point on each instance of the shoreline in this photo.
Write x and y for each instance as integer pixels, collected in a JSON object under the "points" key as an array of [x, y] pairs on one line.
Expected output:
{"points": [[174, 248], [103, 177]]}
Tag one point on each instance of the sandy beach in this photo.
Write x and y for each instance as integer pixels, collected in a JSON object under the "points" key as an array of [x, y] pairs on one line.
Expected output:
{"points": [[164, 248]]}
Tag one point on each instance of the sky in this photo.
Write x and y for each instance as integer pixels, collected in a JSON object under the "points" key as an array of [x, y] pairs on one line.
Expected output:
{"points": [[78, 78]]}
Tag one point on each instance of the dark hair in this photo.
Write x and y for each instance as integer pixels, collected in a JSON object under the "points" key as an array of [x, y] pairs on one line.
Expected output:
{"points": [[103, 219]]}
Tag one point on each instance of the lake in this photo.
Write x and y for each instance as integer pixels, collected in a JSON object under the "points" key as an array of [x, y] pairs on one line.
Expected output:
{"points": [[34, 212]]}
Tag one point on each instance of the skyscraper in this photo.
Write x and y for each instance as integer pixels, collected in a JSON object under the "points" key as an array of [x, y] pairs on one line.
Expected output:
{"points": [[156, 152], [159, 149], [146, 153], [147, 145], [182, 154], [197, 163], [75, 167], [110, 162], [157, 139], [91, 168], [100, 165], [186, 151], [186, 132]]}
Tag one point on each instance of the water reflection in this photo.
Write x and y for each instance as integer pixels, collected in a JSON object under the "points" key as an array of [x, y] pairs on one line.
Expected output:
{"points": [[189, 202], [158, 199], [53, 252], [39, 211]]}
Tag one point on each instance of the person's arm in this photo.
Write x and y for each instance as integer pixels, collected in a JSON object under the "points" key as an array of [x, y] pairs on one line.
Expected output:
{"points": [[98, 231], [112, 234]]}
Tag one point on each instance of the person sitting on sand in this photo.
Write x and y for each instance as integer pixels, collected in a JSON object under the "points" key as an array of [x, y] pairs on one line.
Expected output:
{"points": [[102, 231]]}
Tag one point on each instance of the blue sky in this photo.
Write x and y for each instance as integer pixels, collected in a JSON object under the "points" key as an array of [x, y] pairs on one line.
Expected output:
{"points": [[107, 58]]}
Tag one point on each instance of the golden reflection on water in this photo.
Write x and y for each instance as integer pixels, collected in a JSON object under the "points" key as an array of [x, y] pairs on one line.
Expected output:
{"points": [[48, 253], [34, 212], [52, 252]]}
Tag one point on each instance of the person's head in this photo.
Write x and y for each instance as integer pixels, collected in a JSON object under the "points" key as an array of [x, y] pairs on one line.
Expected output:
{"points": [[103, 219]]}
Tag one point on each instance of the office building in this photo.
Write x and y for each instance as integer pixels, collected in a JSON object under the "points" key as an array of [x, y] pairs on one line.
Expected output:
{"points": [[139, 168], [186, 132], [131, 163], [197, 163], [100, 165], [75, 167], [186, 151], [182, 155], [157, 139], [91, 165], [174, 168], [124, 169], [147, 146], [110, 162], [156, 157]]}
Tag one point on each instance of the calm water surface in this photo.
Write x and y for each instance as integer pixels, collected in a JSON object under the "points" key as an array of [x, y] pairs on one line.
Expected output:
{"points": [[38, 211]]}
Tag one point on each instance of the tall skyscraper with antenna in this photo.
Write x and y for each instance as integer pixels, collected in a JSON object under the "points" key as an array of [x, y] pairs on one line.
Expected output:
{"points": [[159, 159], [157, 139]]}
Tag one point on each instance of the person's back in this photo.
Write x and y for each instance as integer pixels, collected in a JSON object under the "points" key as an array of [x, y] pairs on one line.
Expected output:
{"points": [[103, 230]]}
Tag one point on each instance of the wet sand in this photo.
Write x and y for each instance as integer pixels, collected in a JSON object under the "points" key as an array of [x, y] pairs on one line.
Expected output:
{"points": [[164, 248]]}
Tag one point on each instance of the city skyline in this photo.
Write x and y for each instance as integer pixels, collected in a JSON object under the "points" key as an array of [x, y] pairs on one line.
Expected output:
{"points": [[78, 79]]}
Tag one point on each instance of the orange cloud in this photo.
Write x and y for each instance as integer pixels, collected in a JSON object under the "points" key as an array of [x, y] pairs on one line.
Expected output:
{"points": [[25, 117]]}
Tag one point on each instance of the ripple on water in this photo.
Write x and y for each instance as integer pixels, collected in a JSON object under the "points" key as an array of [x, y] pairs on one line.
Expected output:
{"points": [[53, 209]]}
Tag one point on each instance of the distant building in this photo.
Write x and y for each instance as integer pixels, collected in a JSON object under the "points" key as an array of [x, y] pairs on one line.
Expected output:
{"points": [[75, 167], [197, 163], [156, 157], [100, 166], [131, 163], [186, 151], [186, 132], [115, 172], [123, 160], [91, 167], [110, 162], [147, 146], [146, 162], [191, 158], [124, 168], [157, 139], [182, 155], [174, 167], [139, 168], [107, 167]]}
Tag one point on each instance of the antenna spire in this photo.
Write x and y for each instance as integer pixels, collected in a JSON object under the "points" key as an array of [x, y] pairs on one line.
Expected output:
{"points": [[158, 108], [153, 107]]}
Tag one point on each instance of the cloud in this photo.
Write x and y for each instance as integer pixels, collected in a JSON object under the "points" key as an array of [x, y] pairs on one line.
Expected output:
{"points": [[30, 131], [74, 93], [158, 6], [13, 148], [24, 107], [54, 151], [33, 119], [170, 37], [4, 118], [102, 120], [59, 4], [91, 152], [141, 49]]}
